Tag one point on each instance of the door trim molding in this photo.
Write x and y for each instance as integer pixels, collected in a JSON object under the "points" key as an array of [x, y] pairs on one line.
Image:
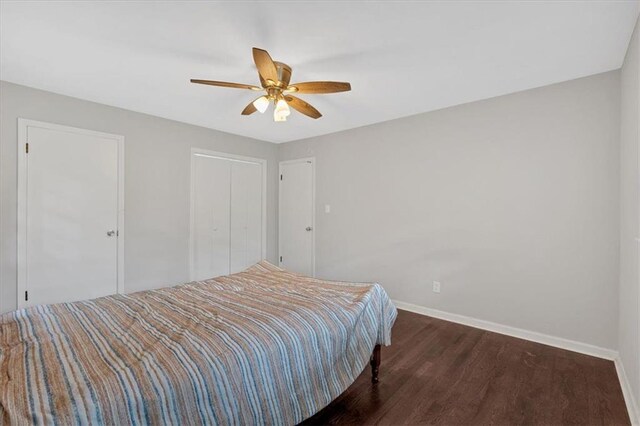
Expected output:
{"points": [[232, 157], [23, 125], [311, 160]]}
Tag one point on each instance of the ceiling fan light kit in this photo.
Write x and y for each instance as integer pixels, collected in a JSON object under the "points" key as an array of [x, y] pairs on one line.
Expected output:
{"points": [[281, 111], [274, 79], [261, 104]]}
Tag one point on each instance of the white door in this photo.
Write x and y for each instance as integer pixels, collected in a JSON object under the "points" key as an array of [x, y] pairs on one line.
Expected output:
{"points": [[297, 216], [212, 217], [227, 214], [246, 215], [69, 214]]}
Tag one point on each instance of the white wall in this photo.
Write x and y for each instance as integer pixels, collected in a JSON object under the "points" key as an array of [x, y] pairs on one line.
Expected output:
{"points": [[629, 332], [512, 203], [156, 182]]}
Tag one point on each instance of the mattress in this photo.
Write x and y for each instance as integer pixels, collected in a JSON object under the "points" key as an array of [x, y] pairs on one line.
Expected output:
{"points": [[264, 346]]}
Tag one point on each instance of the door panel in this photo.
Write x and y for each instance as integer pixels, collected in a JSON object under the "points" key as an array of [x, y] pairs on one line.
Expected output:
{"points": [[71, 204], [246, 215], [211, 217], [296, 217], [227, 215]]}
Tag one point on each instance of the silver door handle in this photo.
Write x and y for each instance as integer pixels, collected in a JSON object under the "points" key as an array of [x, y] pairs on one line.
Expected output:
{"points": [[309, 228], [111, 233]]}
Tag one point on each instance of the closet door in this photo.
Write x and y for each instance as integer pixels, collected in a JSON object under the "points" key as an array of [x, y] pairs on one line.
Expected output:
{"points": [[246, 215], [211, 220]]}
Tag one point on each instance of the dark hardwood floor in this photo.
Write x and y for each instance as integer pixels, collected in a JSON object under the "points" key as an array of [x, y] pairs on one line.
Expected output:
{"points": [[438, 372]]}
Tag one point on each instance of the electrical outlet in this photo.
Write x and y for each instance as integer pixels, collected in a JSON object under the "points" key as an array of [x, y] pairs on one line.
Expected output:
{"points": [[436, 287], [327, 208]]}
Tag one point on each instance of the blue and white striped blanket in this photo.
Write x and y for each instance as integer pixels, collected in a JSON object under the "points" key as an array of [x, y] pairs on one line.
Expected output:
{"points": [[264, 346]]}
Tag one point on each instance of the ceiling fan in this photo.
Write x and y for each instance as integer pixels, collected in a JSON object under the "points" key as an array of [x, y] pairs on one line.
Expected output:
{"points": [[274, 78]]}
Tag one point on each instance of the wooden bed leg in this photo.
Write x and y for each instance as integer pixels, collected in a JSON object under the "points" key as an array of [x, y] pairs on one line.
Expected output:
{"points": [[375, 364]]}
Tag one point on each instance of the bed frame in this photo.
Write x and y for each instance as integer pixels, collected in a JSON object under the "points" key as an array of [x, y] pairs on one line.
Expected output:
{"points": [[375, 364]]}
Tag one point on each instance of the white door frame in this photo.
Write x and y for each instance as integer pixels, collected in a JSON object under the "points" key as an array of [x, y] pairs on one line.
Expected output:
{"points": [[311, 160], [23, 125], [233, 157]]}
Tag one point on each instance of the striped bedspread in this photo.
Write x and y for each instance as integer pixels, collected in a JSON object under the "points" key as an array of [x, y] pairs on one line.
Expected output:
{"points": [[264, 346]]}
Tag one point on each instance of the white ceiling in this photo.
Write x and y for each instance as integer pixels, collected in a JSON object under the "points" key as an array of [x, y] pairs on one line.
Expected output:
{"points": [[401, 58]]}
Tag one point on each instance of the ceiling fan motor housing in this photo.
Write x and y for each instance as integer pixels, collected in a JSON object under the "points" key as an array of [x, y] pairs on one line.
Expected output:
{"points": [[284, 76]]}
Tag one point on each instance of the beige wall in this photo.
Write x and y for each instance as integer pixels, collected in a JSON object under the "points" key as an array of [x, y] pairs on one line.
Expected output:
{"points": [[629, 332], [156, 182], [511, 203]]}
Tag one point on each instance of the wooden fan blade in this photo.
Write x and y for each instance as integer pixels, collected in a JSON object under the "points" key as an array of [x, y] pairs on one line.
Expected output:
{"points": [[301, 106], [226, 84], [249, 109], [319, 87], [266, 68]]}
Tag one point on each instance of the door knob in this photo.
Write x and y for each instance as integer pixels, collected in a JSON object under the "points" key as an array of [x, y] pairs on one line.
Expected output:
{"points": [[309, 228], [111, 233]]}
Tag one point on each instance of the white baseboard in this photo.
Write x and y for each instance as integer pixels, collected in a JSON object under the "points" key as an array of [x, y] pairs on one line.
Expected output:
{"points": [[629, 398], [545, 339]]}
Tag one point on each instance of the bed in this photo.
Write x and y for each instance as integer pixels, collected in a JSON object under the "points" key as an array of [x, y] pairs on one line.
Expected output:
{"points": [[264, 346]]}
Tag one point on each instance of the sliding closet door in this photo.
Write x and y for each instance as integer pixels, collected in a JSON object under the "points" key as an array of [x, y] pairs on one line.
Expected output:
{"points": [[246, 215], [211, 221], [227, 214]]}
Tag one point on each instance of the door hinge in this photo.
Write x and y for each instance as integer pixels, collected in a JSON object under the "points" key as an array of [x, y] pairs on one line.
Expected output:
{"points": [[280, 258], [26, 147], [26, 295], [280, 177]]}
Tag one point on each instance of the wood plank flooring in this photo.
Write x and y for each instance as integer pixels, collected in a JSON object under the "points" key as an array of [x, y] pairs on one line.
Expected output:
{"points": [[438, 372]]}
